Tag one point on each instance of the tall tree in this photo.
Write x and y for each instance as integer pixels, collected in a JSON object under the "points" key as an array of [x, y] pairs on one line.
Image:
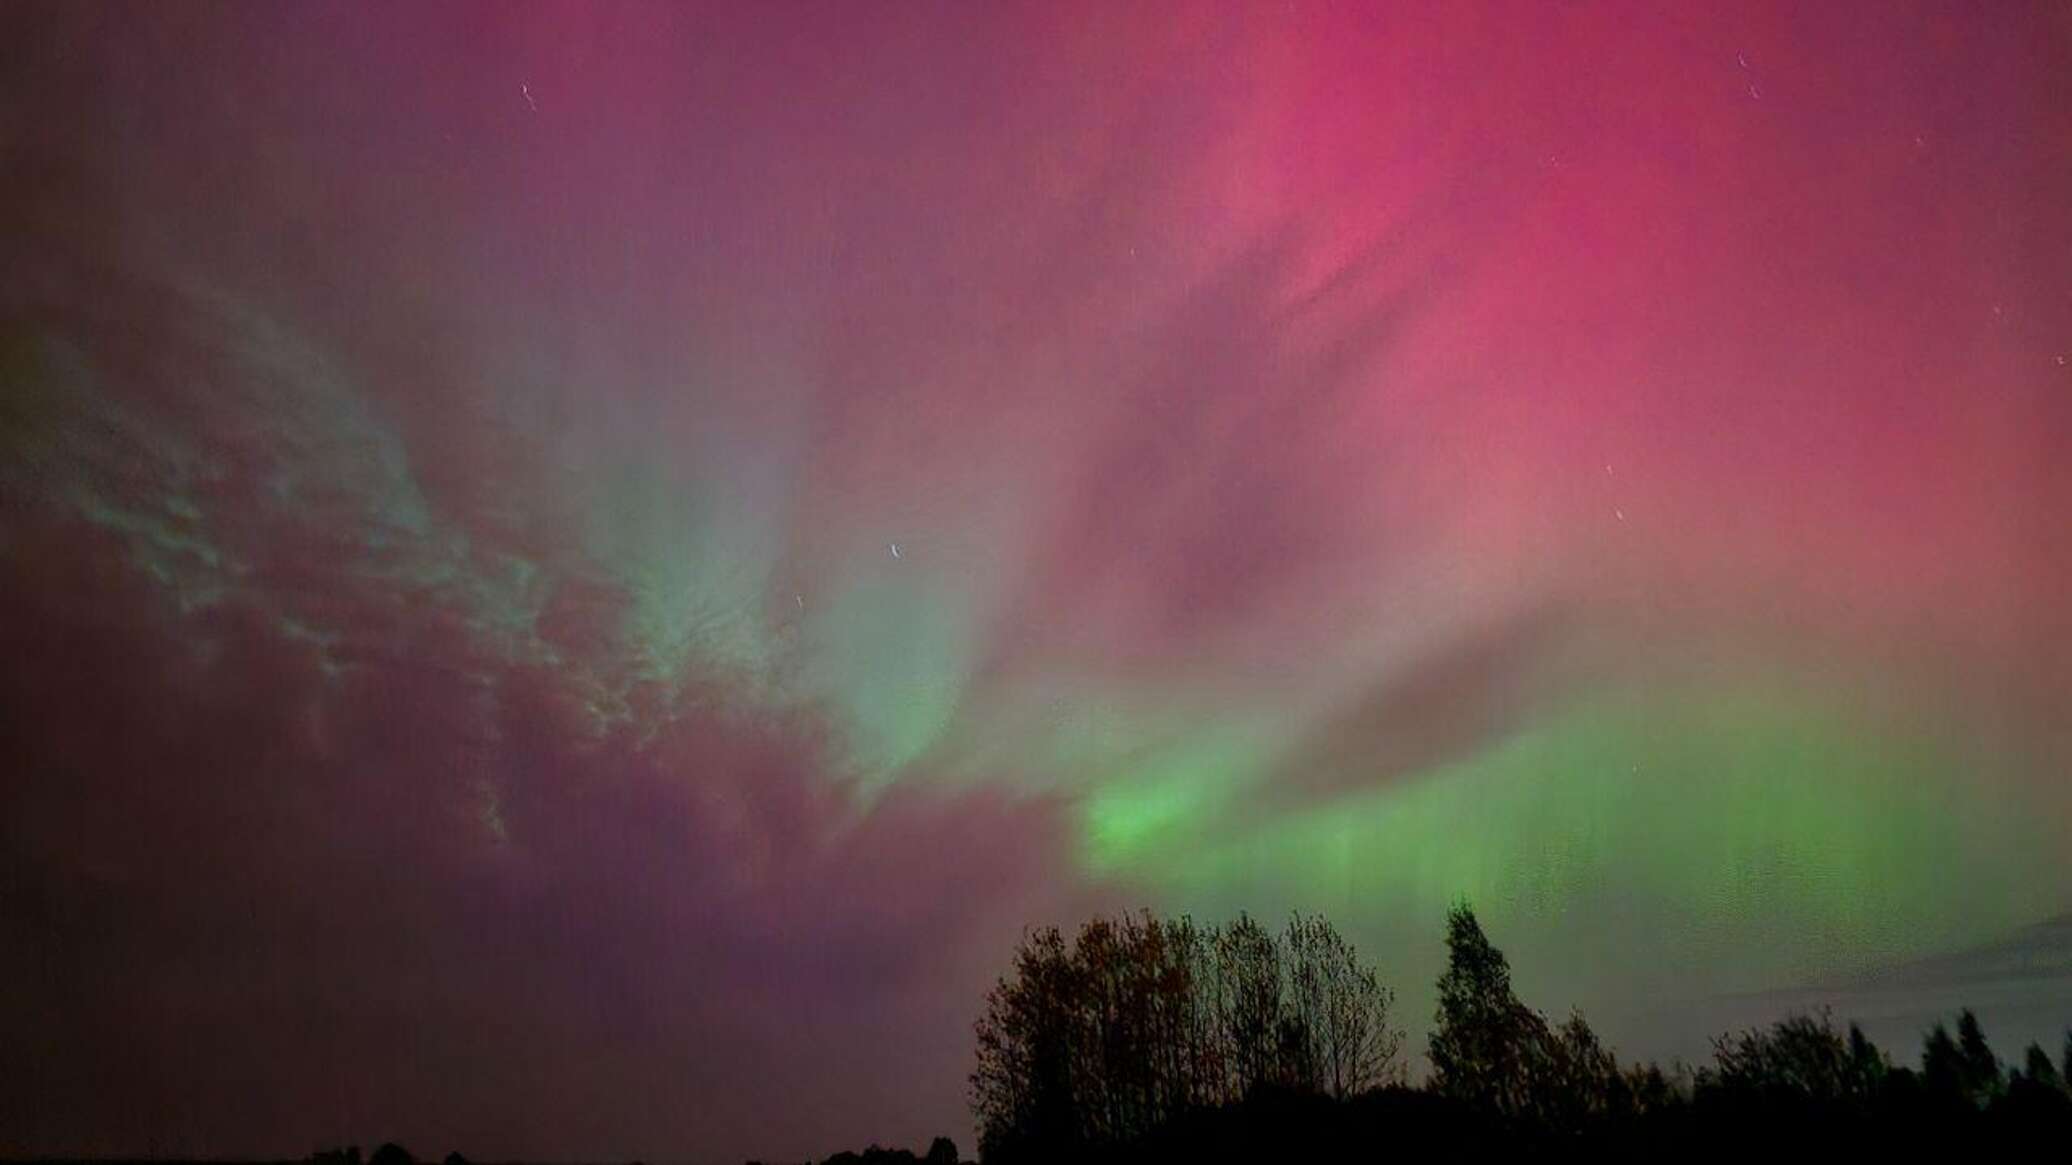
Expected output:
{"points": [[1248, 965], [1486, 1047], [1022, 1089], [2038, 1068], [1979, 1068], [1942, 1066], [1583, 1083], [1139, 1019], [1868, 1064], [1344, 1010]]}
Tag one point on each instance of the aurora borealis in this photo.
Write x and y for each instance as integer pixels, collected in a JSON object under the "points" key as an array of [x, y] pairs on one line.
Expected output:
{"points": [[574, 575]]}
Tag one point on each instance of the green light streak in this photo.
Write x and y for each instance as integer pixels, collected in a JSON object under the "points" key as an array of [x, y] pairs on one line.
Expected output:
{"points": [[1753, 832], [1168, 796]]}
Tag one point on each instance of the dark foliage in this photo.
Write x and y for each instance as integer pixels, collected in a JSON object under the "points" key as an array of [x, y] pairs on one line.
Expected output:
{"points": [[1149, 1041], [941, 1151], [1800, 1064], [1140, 1021], [2037, 1096]]}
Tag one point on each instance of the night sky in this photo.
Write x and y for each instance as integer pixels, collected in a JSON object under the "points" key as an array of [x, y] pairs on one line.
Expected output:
{"points": [[571, 578]]}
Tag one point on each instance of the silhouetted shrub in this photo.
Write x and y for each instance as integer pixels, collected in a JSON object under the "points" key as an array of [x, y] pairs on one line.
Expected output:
{"points": [[1799, 1065]]}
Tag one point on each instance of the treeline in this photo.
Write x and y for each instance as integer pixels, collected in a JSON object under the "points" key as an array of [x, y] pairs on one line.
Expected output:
{"points": [[1146, 1039], [1140, 1020], [389, 1153], [942, 1151]]}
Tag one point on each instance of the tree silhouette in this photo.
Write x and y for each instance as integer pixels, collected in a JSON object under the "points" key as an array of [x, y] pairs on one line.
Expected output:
{"points": [[2038, 1068], [1022, 1087], [1140, 1020], [2035, 1100], [1249, 1004], [1942, 1066], [1650, 1090], [1342, 1010], [1487, 1049], [1150, 1039], [1582, 1083], [1800, 1065], [1978, 1068], [1961, 1071], [1868, 1064]]}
